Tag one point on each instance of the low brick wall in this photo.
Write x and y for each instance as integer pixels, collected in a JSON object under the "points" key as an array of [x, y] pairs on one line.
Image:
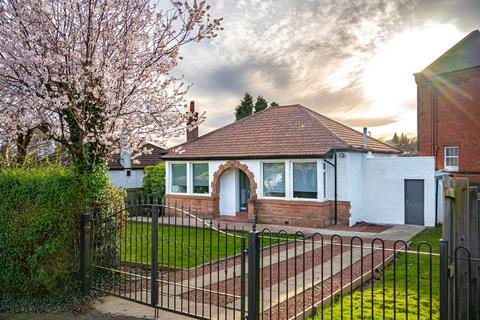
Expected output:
{"points": [[201, 206], [294, 213], [302, 213]]}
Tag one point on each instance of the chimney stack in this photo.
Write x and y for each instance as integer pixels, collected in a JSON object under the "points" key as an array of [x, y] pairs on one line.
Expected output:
{"points": [[364, 137], [192, 134]]}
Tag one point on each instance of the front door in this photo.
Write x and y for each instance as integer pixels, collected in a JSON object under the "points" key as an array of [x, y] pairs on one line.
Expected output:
{"points": [[244, 190], [414, 202]]}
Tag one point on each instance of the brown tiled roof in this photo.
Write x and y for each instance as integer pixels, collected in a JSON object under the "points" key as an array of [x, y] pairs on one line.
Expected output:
{"points": [[284, 131], [154, 158]]}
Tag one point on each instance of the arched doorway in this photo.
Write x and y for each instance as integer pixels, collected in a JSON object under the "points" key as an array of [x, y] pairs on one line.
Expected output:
{"points": [[234, 189]]}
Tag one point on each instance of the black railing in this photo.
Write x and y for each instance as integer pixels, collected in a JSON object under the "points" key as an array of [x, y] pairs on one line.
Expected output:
{"points": [[166, 257]]}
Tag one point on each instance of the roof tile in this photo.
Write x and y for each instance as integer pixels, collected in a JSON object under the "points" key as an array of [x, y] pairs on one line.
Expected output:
{"points": [[284, 131]]}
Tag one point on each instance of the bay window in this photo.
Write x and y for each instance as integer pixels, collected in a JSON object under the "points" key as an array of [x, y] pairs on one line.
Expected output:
{"points": [[274, 179], [305, 180], [179, 178], [200, 178]]}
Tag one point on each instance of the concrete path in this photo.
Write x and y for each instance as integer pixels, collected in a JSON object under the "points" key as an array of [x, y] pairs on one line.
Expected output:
{"points": [[397, 232], [403, 232]]}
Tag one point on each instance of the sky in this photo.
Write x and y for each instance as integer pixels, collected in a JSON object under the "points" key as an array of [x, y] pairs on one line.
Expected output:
{"points": [[351, 60]]}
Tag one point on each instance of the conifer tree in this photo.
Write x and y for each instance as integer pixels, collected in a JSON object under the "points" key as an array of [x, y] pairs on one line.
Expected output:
{"points": [[245, 108]]}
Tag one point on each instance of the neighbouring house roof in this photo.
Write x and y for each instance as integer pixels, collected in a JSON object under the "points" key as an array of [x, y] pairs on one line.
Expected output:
{"points": [[283, 131], [142, 161], [463, 55]]}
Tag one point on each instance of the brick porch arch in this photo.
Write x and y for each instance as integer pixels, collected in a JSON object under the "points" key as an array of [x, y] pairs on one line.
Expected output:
{"points": [[216, 184]]}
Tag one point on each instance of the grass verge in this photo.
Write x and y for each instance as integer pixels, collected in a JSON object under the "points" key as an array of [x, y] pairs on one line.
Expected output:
{"points": [[181, 247], [401, 298]]}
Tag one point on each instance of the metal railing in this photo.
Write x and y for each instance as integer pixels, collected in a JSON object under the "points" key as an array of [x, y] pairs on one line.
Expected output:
{"points": [[167, 257]]}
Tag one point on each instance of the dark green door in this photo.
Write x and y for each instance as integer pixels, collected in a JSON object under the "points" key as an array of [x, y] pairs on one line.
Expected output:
{"points": [[244, 189]]}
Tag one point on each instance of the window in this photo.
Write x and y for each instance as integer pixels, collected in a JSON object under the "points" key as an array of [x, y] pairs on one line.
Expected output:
{"points": [[274, 179], [129, 173], [179, 178], [305, 180], [200, 178], [451, 158]]}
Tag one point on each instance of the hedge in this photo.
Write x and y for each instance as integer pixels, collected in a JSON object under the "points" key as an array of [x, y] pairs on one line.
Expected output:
{"points": [[40, 211], [154, 182]]}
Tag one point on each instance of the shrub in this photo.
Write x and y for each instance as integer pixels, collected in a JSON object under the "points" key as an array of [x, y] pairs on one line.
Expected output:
{"points": [[154, 182], [40, 211]]}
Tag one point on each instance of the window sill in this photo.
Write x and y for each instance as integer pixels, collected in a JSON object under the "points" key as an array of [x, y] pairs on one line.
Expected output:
{"points": [[200, 194]]}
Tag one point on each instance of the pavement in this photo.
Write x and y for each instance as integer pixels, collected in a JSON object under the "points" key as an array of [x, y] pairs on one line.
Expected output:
{"points": [[329, 266], [120, 307], [64, 316]]}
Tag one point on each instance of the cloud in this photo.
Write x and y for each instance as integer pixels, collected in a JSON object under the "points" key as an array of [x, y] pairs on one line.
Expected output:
{"points": [[310, 52]]}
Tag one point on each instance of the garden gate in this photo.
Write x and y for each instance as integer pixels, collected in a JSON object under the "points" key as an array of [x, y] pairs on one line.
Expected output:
{"points": [[163, 256]]}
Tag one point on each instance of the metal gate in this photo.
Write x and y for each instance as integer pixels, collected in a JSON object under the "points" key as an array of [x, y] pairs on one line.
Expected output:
{"points": [[164, 256]]}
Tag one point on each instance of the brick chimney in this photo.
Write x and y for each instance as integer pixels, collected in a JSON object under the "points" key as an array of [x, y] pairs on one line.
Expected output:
{"points": [[193, 118]]}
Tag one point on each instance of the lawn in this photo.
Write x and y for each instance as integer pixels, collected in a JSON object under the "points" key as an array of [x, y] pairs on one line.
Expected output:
{"points": [[180, 247], [432, 236]]}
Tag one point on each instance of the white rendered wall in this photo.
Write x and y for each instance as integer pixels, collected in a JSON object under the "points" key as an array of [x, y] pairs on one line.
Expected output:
{"points": [[355, 182], [121, 180], [382, 189], [374, 184]]}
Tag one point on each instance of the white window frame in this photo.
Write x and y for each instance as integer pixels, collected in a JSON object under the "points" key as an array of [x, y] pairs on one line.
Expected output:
{"points": [[191, 178], [445, 157], [318, 180], [286, 177], [324, 180], [171, 177]]}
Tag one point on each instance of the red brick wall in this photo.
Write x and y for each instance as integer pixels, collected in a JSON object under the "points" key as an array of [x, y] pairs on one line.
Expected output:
{"points": [[297, 213], [200, 206], [301, 213], [456, 100]]}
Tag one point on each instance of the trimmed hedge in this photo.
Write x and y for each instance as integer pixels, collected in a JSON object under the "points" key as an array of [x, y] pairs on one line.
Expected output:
{"points": [[40, 211]]}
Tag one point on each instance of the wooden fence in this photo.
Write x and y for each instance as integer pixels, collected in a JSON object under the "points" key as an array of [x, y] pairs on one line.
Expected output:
{"points": [[461, 229]]}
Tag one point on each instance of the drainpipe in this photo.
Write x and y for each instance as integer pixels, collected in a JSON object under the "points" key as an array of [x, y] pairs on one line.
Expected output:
{"points": [[334, 165], [436, 201]]}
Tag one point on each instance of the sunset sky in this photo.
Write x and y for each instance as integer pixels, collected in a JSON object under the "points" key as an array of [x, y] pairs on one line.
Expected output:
{"points": [[352, 60]]}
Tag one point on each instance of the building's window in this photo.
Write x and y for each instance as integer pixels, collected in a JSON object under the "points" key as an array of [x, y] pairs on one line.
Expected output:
{"points": [[274, 179], [200, 178], [129, 173], [305, 180], [179, 178], [451, 158]]}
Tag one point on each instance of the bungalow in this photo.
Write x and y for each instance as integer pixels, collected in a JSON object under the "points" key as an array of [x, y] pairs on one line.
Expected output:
{"points": [[291, 165]]}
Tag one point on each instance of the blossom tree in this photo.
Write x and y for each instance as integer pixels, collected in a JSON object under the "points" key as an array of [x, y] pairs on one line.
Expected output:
{"points": [[16, 127], [97, 75]]}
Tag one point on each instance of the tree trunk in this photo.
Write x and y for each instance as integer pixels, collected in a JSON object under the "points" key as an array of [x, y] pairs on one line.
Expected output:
{"points": [[22, 145], [4, 151]]}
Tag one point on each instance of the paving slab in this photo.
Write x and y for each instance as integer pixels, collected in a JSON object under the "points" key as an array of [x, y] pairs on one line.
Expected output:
{"points": [[403, 232]]}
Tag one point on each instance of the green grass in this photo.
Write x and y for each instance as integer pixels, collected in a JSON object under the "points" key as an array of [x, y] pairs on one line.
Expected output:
{"points": [[180, 247], [431, 235]]}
